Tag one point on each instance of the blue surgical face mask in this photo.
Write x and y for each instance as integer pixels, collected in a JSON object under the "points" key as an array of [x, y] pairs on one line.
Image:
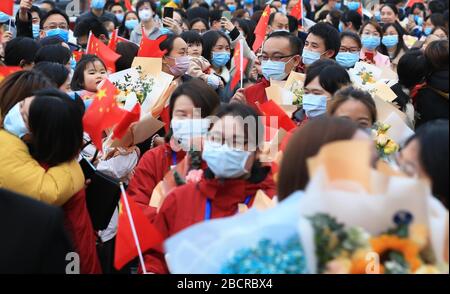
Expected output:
{"points": [[341, 27], [309, 57], [120, 17], [73, 63], [338, 6], [63, 34], [314, 105], [131, 24], [4, 18], [377, 16], [248, 2], [390, 41], [370, 42], [184, 130], [232, 8], [347, 59], [165, 31], [97, 4], [427, 31], [36, 30], [274, 70], [220, 59], [14, 122], [418, 20], [225, 162], [353, 6]]}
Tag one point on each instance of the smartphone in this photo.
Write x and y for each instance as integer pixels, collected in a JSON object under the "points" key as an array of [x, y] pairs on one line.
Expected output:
{"points": [[168, 12], [226, 14], [369, 56]]}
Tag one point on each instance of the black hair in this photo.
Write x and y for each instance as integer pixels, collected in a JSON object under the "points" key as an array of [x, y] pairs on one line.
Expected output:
{"points": [[215, 15], [20, 51], [433, 141], [401, 43], [197, 12], [209, 40], [293, 23], [49, 2], [36, 9], [336, 16], [411, 68], [391, 6], [331, 75], [191, 37], [248, 29], [199, 19], [202, 96], [56, 72], [418, 5], [77, 82], [87, 25], [128, 51], [142, 2], [52, 40], [272, 17], [55, 121], [354, 17], [437, 19], [53, 53], [295, 43], [352, 35], [53, 12], [167, 44], [437, 6], [328, 34]]}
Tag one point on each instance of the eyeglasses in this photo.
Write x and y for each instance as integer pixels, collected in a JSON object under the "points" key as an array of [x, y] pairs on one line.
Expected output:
{"points": [[351, 50], [52, 26], [273, 58]]}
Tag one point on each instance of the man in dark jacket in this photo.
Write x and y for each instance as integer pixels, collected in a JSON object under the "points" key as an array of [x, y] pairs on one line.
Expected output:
{"points": [[28, 20], [33, 236]]}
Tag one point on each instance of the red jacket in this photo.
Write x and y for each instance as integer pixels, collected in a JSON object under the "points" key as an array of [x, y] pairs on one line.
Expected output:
{"points": [[186, 205], [151, 169], [78, 223], [257, 92]]}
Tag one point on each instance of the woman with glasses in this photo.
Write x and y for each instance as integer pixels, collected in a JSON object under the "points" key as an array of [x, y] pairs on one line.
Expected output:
{"points": [[350, 49]]}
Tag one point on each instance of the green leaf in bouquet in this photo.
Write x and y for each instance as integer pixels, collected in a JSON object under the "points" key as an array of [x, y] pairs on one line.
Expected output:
{"points": [[396, 263]]}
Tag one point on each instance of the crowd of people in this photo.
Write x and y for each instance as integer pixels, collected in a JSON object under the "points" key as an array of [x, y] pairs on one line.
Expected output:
{"points": [[42, 103]]}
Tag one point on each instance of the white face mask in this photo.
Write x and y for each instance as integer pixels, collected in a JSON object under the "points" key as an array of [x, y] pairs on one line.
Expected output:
{"points": [[224, 161], [145, 14], [186, 129], [14, 122]]}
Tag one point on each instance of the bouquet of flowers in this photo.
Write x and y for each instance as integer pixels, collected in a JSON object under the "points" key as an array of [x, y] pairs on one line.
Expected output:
{"points": [[385, 145], [131, 83]]}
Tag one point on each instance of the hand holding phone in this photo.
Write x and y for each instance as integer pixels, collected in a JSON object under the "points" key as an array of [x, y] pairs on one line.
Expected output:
{"points": [[226, 14]]}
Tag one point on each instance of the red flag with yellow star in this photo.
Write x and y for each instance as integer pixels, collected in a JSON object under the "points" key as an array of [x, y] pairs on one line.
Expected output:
{"points": [[103, 113], [108, 56], [297, 11], [7, 6], [148, 235], [261, 28], [237, 60], [7, 70]]}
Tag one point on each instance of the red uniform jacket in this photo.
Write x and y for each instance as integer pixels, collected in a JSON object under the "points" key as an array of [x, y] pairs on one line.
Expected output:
{"points": [[257, 92], [186, 205], [151, 169], [79, 226]]}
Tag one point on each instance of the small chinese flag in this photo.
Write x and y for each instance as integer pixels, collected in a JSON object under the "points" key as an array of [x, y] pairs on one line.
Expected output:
{"points": [[7, 6], [7, 70], [108, 56], [129, 118], [237, 60], [77, 55], [261, 28], [128, 5], [113, 40], [165, 118], [360, 9], [148, 235], [297, 11], [410, 3], [150, 48], [271, 109], [103, 113]]}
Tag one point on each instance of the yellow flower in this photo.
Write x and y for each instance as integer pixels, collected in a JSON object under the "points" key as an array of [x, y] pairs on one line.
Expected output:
{"points": [[418, 233], [384, 127], [390, 147]]}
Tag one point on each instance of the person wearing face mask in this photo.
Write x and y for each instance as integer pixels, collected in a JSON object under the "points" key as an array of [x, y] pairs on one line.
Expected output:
{"points": [[149, 22], [248, 6], [53, 186], [175, 61], [371, 34], [234, 175], [117, 10], [156, 162], [98, 11], [130, 21], [350, 49], [393, 44], [28, 20], [232, 5], [280, 55], [322, 80], [322, 42]]}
